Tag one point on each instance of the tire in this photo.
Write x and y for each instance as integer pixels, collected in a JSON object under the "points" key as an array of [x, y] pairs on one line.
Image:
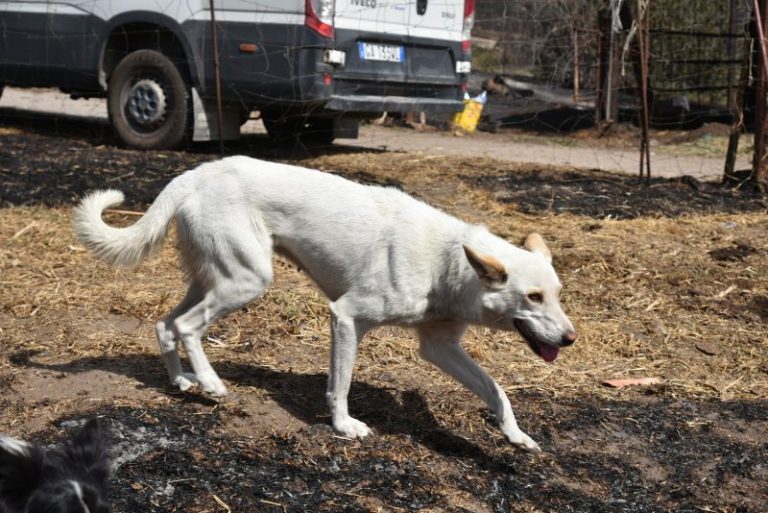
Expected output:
{"points": [[2, 86], [298, 128], [318, 131], [282, 128], [149, 101], [244, 114]]}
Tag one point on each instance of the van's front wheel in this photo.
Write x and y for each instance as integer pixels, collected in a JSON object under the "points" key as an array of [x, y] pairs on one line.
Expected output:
{"points": [[148, 101]]}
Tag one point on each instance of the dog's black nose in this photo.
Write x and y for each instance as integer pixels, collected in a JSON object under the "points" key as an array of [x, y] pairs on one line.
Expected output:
{"points": [[569, 338]]}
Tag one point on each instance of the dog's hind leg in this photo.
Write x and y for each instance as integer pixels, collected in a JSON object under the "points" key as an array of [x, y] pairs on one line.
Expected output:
{"points": [[169, 342], [191, 326], [238, 270], [227, 252], [346, 333], [441, 345]]}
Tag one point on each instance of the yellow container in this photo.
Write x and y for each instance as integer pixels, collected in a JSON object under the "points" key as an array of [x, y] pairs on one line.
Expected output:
{"points": [[468, 119], [456, 118]]}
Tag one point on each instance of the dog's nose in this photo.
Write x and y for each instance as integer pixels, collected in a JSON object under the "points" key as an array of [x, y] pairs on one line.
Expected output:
{"points": [[569, 338]]}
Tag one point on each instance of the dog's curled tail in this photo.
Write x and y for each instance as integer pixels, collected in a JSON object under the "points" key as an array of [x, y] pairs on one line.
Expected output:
{"points": [[128, 246]]}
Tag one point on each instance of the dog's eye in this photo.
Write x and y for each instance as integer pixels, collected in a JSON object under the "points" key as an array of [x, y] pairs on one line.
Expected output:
{"points": [[536, 297]]}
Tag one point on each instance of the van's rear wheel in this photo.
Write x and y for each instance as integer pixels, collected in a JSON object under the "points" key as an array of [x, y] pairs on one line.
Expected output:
{"points": [[281, 128], [149, 101], [298, 128], [318, 131]]}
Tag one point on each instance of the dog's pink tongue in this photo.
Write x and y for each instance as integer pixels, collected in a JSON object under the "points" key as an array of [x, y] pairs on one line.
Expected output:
{"points": [[548, 352]]}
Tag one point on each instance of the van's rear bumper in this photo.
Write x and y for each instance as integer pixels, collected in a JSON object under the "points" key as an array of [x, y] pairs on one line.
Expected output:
{"points": [[424, 81], [289, 73], [372, 103]]}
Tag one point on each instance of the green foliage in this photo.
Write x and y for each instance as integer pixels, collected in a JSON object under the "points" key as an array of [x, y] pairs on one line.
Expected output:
{"points": [[693, 15], [694, 59], [489, 60]]}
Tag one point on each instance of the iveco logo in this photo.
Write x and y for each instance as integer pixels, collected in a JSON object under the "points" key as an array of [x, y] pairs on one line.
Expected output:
{"points": [[371, 4]]}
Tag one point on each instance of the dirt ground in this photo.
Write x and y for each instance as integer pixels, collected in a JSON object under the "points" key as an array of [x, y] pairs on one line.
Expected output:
{"points": [[666, 280]]}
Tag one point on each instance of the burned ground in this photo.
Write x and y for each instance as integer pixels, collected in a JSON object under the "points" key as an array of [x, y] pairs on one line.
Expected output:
{"points": [[601, 195], [655, 455], [668, 281]]}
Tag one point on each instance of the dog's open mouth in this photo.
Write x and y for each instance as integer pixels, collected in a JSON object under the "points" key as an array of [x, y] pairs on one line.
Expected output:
{"points": [[547, 352]]}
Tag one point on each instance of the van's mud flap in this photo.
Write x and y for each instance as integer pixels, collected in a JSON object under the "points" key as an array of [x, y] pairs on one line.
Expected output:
{"points": [[206, 121], [346, 128]]}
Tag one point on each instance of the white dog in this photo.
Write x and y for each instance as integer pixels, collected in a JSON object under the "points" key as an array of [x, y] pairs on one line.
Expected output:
{"points": [[379, 255]]}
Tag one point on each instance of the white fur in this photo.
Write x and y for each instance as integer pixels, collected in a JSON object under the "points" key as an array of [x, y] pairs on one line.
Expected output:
{"points": [[14, 446], [79, 493], [380, 256]]}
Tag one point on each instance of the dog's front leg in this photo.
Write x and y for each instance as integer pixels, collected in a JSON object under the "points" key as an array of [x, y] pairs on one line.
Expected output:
{"points": [[440, 345], [345, 336]]}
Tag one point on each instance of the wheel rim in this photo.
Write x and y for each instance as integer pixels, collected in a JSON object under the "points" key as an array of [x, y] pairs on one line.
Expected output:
{"points": [[145, 105]]}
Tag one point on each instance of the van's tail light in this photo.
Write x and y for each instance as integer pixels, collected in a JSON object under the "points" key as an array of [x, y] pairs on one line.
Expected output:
{"points": [[319, 16], [469, 22]]}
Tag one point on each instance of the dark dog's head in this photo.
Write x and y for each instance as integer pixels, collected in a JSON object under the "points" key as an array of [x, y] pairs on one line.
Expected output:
{"points": [[67, 479]]}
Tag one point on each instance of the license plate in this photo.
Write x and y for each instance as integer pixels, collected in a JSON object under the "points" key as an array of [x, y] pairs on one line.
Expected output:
{"points": [[378, 52]]}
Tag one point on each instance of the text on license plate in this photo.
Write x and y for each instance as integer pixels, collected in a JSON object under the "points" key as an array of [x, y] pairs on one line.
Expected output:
{"points": [[379, 52]]}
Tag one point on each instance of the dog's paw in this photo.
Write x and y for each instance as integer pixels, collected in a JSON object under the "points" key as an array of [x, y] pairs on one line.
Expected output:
{"points": [[184, 381], [212, 384], [352, 428], [524, 442]]}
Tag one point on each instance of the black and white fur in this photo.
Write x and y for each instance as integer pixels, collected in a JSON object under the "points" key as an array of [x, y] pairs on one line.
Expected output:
{"points": [[71, 478]]}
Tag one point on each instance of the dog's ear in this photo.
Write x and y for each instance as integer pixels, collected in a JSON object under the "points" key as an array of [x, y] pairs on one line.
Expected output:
{"points": [[87, 450], [535, 244], [489, 269]]}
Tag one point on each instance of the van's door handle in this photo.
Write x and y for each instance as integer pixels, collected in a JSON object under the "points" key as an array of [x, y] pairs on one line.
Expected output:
{"points": [[421, 7]]}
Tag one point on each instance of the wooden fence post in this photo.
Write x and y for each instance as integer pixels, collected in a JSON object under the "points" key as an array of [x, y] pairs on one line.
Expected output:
{"points": [[643, 35], [606, 101], [759, 163]]}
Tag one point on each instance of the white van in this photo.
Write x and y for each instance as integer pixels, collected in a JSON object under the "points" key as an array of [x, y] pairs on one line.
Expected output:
{"points": [[312, 68]]}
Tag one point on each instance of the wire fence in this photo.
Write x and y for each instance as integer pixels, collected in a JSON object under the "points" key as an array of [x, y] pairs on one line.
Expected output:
{"points": [[695, 53]]}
